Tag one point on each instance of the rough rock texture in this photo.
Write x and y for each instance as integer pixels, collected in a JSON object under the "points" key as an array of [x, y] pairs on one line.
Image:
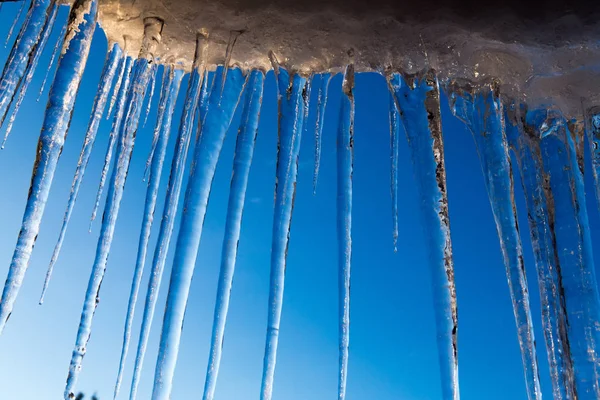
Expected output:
{"points": [[541, 52]]}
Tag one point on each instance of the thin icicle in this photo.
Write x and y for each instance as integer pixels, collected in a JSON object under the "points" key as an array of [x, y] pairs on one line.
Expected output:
{"points": [[233, 37], [167, 222], [417, 100], [244, 151], [166, 81], [345, 145], [554, 317], [14, 24], [106, 78], [308, 90], [291, 117], [122, 74], [394, 142], [569, 225], [206, 154], [129, 125], [82, 22], [482, 111], [151, 95], [114, 132], [321, 107], [30, 70], [593, 133], [55, 53], [21, 53], [174, 82]]}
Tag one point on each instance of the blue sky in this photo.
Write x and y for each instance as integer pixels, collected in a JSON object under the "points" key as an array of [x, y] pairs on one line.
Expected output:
{"points": [[393, 351]]}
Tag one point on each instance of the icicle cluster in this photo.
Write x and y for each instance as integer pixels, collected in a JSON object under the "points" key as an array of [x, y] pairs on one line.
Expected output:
{"points": [[547, 146]]}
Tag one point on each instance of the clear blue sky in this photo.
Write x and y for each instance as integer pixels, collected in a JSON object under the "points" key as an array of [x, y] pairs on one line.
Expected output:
{"points": [[393, 351]]}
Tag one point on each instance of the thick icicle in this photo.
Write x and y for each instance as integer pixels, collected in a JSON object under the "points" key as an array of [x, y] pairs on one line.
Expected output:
{"points": [[345, 144], [568, 222], [151, 95], [174, 81], [241, 170], [127, 132], [554, 319], [55, 52], [114, 132], [291, 118], [206, 154], [482, 111], [82, 22], [21, 53], [394, 142], [182, 144], [122, 74], [106, 78], [165, 85], [321, 106], [418, 100], [593, 133], [30, 70], [15, 21]]}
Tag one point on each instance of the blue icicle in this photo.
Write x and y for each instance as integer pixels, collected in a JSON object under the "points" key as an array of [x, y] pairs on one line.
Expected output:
{"points": [[593, 133], [482, 111], [208, 147], [54, 130], [15, 21], [291, 118], [106, 78], [151, 95], [241, 170], [127, 132], [321, 107], [417, 99], [159, 117], [122, 74], [394, 142], [55, 53], [172, 89]]}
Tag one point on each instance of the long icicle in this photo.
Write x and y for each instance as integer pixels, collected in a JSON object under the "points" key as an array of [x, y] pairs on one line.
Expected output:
{"points": [[482, 111], [345, 150], [55, 53], [182, 144], [568, 223], [135, 97], [30, 70], [394, 142], [526, 147], [291, 118], [151, 95], [121, 75], [159, 117], [418, 102], [21, 54], [114, 132], [15, 21], [321, 107], [82, 22], [174, 81], [106, 78], [593, 133], [244, 151], [206, 154]]}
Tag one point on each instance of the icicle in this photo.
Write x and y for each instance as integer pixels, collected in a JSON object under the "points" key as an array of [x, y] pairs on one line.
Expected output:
{"points": [[482, 111], [82, 22], [14, 24], [167, 222], [394, 142], [345, 144], [151, 95], [122, 74], [114, 132], [30, 70], [291, 118], [166, 81], [554, 319], [241, 169], [233, 37], [106, 78], [417, 100], [568, 223], [21, 53], [321, 106], [593, 133], [206, 154], [55, 53], [174, 81], [308, 90], [135, 97]]}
